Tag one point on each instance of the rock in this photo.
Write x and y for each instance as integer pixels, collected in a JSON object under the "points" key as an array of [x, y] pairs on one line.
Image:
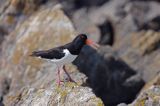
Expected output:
{"points": [[76, 4], [153, 24], [127, 16], [3, 32], [110, 77], [34, 35], [147, 43], [14, 12], [83, 24], [116, 74], [150, 95], [29, 76], [4, 88], [69, 95], [122, 104], [141, 52]]}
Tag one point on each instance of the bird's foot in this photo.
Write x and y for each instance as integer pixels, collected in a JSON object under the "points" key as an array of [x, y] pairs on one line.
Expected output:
{"points": [[60, 82], [71, 80]]}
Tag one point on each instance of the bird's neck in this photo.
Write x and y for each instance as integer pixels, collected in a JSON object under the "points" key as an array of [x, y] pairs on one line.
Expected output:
{"points": [[74, 49]]}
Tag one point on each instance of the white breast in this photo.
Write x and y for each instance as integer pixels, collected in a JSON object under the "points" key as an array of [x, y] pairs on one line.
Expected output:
{"points": [[68, 58]]}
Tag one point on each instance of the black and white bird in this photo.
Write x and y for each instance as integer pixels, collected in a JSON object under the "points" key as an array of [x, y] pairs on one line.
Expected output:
{"points": [[65, 54]]}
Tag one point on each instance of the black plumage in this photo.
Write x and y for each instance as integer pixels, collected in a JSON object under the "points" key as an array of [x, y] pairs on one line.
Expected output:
{"points": [[57, 53]]}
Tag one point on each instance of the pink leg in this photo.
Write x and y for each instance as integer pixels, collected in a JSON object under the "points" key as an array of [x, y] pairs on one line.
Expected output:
{"points": [[59, 77], [69, 77]]}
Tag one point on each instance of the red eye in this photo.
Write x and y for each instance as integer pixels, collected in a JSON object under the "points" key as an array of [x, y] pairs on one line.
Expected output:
{"points": [[82, 37]]}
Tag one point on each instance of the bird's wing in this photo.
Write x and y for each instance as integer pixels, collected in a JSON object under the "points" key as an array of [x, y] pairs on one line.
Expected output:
{"points": [[55, 53]]}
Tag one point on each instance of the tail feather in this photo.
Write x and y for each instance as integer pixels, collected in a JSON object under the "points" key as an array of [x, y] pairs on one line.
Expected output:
{"points": [[36, 54]]}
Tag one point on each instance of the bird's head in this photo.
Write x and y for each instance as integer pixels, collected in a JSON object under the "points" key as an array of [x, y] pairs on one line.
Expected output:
{"points": [[82, 40]]}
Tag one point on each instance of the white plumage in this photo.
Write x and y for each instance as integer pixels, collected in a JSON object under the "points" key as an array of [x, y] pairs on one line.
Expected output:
{"points": [[68, 58]]}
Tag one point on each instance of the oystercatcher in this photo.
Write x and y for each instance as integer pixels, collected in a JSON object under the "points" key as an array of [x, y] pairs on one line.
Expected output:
{"points": [[65, 54]]}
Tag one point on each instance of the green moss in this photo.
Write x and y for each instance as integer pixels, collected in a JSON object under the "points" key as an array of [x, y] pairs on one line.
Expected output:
{"points": [[140, 103], [63, 95], [70, 84]]}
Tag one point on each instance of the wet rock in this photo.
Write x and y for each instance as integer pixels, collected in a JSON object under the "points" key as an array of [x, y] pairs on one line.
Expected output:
{"points": [[110, 77]]}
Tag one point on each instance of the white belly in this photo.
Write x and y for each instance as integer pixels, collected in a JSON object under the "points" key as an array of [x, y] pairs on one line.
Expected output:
{"points": [[68, 58]]}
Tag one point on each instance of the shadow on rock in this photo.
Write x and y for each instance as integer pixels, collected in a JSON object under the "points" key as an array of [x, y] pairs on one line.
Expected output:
{"points": [[110, 78], [153, 24]]}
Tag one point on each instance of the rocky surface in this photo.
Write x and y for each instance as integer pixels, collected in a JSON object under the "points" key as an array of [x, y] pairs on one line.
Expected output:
{"points": [[70, 95], [26, 78], [142, 52], [150, 95], [115, 74]]}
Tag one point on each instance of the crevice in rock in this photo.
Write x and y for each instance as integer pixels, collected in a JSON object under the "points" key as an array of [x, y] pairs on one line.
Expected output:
{"points": [[89, 3], [153, 24], [3, 32], [73, 5], [4, 88], [1, 101], [107, 33]]}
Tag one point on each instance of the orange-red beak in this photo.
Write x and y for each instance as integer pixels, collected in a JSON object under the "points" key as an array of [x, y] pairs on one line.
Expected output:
{"points": [[92, 44]]}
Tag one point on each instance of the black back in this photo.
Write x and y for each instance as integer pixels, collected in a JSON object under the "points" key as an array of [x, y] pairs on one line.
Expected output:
{"points": [[57, 53]]}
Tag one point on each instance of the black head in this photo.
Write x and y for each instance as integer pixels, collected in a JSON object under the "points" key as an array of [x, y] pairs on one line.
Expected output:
{"points": [[78, 43], [80, 39]]}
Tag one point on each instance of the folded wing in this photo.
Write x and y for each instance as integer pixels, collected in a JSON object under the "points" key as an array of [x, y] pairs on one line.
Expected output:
{"points": [[49, 54]]}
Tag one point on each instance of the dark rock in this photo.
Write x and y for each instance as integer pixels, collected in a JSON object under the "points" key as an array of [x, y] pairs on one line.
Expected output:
{"points": [[110, 78]]}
